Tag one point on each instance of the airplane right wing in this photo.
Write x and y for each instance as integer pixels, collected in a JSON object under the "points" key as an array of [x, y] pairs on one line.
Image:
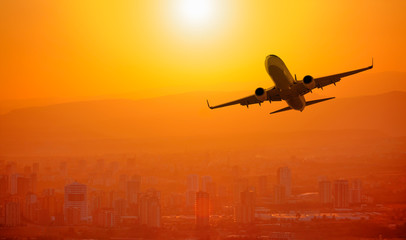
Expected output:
{"points": [[324, 81], [272, 94], [327, 80]]}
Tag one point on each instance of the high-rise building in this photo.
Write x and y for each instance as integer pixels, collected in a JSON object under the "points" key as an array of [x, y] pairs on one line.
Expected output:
{"points": [[325, 192], [355, 191], [149, 209], [122, 182], [105, 218], [263, 185], [72, 216], [48, 205], [284, 178], [12, 213], [133, 188], [4, 186], [11, 168], [190, 198], [76, 198], [245, 211], [202, 209], [13, 183], [31, 207], [279, 194], [341, 194], [192, 187], [33, 182], [23, 185], [193, 183], [240, 185], [120, 207], [206, 181]]}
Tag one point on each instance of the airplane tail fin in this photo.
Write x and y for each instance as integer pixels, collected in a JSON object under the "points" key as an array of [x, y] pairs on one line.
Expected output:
{"points": [[307, 104]]}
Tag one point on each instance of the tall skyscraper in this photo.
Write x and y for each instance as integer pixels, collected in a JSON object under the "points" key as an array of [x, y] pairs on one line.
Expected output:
{"points": [[133, 188], [105, 218], [192, 188], [23, 185], [245, 211], [263, 185], [4, 186], [355, 191], [49, 206], [31, 207], [12, 213], [33, 182], [76, 198], [325, 192], [149, 208], [202, 209], [206, 180], [193, 183], [279, 194], [284, 178], [13, 183], [120, 207], [122, 182], [341, 194], [240, 185]]}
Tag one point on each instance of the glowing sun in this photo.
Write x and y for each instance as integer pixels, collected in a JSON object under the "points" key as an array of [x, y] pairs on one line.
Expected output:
{"points": [[196, 13]]}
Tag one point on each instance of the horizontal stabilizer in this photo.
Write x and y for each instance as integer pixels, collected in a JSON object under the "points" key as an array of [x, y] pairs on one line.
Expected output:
{"points": [[281, 110], [307, 104], [318, 100]]}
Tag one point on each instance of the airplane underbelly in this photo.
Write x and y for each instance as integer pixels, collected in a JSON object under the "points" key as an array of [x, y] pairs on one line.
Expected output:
{"points": [[297, 103]]}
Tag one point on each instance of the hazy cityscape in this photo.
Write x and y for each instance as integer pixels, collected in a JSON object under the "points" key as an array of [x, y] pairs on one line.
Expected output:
{"points": [[123, 199]]}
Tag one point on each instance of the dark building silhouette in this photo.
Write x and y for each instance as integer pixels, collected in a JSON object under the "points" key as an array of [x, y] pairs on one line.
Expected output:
{"points": [[325, 192], [202, 209], [279, 194], [245, 211], [149, 210], [284, 178], [75, 200], [341, 194]]}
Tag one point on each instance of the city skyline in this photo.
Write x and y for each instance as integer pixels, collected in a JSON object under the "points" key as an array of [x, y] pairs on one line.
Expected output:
{"points": [[105, 132]]}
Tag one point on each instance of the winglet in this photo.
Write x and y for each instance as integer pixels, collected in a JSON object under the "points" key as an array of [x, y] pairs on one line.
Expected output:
{"points": [[208, 104]]}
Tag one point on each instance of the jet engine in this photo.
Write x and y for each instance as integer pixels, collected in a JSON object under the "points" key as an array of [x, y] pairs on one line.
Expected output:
{"points": [[260, 94], [309, 82]]}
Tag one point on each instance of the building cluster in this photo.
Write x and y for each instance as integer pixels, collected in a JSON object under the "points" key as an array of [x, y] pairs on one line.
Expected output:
{"points": [[340, 193], [76, 204], [126, 200]]}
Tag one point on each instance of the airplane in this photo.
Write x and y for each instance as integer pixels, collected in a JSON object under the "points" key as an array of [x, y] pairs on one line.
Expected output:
{"points": [[288, 88]]}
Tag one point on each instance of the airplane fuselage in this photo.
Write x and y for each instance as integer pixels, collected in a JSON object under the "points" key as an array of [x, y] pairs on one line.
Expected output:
{"points": [[284, 81]]}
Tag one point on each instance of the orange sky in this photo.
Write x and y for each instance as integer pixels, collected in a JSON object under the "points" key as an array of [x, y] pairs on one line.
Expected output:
{"points": [[71, 49]]}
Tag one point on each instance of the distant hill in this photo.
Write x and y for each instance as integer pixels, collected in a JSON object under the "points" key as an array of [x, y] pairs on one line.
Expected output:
{"points": [[184, 121], [368, 83]]}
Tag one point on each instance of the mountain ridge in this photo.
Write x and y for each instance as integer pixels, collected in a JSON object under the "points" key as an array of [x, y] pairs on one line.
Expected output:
{"points": [[179, 118]]}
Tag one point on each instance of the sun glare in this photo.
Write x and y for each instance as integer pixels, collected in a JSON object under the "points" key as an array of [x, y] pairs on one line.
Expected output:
{"points": [[196, 13]]}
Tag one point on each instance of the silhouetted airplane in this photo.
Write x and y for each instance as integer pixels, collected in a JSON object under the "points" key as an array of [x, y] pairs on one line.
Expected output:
{"points": [[288, 88]]}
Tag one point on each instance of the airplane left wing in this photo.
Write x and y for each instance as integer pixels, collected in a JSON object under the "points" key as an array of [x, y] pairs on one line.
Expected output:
{"points": [[272, 93]]}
